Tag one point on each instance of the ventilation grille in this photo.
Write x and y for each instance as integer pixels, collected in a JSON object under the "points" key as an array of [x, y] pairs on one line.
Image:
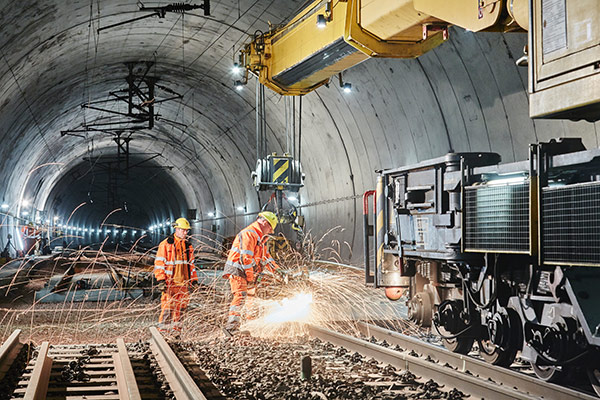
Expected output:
{"points": [[571, 224], [497, 218]]}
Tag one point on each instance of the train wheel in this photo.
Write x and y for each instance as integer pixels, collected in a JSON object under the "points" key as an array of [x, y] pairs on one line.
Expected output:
{"points": [[548, 373], [504, 338], [461, 345], [594, 375], [420, 310], [495, 355]]}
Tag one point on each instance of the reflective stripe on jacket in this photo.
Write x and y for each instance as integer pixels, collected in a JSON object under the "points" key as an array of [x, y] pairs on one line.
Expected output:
{"points": [[29, 232], [170, 263], [247, 255]]}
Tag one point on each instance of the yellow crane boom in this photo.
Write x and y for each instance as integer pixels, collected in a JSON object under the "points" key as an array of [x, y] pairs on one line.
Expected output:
{"points": [[330, 36]]}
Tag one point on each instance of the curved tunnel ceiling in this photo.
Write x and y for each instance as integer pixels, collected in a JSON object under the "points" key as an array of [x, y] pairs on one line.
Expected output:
{"points": [[466, 95]]}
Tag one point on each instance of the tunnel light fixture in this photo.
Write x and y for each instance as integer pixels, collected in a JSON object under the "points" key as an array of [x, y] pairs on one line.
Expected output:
{"points": [[25, 203], [238, 85], [85, 230], [346, 86], [133, 232], [240, 208], [321, 21], [293, 198], [106, 231], [125, 232], [211, 214], [161, 224], [236, 69], [25, 213], [79, 229], [56, 218], [114, 231], [4, 206], [143, 232]]}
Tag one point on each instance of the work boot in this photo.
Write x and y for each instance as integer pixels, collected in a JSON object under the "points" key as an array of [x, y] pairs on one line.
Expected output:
{"points": [[231, 328]]}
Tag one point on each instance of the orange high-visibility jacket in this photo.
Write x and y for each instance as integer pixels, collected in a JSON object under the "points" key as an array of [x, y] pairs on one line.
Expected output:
{"points": [[173, 263], [29, 232], [248, 255]]}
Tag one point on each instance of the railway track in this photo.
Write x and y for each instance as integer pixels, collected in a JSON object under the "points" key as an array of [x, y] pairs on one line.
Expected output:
{"points": [[474, 377], [157, 370], [113, 371]]}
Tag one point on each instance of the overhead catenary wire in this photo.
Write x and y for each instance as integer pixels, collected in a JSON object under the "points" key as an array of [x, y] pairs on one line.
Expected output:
{"points": [[210, 69]]}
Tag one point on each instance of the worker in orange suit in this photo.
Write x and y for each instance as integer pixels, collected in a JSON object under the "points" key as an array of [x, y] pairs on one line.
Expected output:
{"points": [[175, 272], [247, 259], [31, 236]]}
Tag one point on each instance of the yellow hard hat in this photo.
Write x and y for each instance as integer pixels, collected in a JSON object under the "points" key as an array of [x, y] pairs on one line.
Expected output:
{"points": [[182, 223], [269, 216]]}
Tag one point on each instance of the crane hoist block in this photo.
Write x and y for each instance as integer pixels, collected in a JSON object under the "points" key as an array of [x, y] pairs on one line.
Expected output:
{"points": [[278, 172]]}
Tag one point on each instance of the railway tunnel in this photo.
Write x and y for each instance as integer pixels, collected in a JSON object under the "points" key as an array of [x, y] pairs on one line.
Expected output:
{"points": [[466, 95], [78, 166]]}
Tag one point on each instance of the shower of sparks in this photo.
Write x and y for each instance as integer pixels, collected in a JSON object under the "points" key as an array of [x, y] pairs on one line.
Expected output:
{"points": [[295, 309], [319, 294]]}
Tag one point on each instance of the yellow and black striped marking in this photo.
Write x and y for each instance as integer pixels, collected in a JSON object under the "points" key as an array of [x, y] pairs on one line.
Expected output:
{"points": [[281, 170]]}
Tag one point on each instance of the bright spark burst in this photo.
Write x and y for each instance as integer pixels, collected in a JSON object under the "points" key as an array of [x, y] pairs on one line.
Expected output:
{"points": [[295, 309]]}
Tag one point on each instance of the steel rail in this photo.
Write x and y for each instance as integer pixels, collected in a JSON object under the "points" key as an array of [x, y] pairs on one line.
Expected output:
{"points": [[126, 383], [182, 384], [474, 386], [9, 351], [40, 377], [501, 376]]}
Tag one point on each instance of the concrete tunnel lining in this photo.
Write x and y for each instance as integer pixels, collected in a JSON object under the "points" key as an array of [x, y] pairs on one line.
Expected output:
{"points": [[466, 95]]}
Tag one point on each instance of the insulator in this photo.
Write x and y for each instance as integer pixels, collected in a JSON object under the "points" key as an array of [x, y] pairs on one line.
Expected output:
{"points": [[180, 7]]}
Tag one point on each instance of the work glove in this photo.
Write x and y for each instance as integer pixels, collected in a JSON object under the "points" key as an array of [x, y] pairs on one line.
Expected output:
{"points": [[161, 286]]}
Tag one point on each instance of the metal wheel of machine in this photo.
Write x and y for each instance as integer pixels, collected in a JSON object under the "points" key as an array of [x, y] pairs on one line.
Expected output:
{"points": [[460, 345], [594, 376], [505, 338], [548, 373], [496, 355], [420, 309], [451, 325]]}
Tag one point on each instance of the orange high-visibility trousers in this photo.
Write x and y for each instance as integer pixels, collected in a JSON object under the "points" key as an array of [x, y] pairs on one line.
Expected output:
{"points": [[241, 299], [173, 304]]}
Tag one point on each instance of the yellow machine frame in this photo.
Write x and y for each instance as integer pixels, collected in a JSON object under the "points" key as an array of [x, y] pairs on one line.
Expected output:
{"points": [[299, 57]]}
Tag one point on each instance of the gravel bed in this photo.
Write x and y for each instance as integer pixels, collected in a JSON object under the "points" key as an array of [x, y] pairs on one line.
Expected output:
{"points": [[9, 382], [140, 352], [248, 368]]}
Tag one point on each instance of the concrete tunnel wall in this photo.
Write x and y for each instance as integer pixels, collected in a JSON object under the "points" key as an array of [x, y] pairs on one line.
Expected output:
{"points": [[466, 95]]}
